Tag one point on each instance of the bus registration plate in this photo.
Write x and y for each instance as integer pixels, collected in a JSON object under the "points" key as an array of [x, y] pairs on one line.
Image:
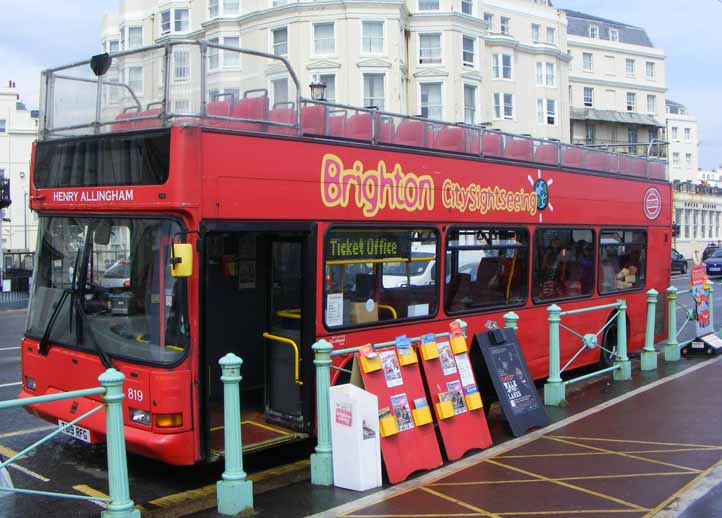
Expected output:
{"points": [[76, 431]]}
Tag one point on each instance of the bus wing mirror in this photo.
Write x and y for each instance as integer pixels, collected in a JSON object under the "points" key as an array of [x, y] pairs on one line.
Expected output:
{"points": [[182, 260]]}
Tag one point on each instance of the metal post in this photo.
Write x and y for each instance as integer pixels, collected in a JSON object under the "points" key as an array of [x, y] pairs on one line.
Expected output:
{"points": [[511, 320], [98, 105], [204, 77], [649, 354], [624, 372], [671, 350], [121, 506], [166, 82], [554, 390], [234, 493], [321, 461]]}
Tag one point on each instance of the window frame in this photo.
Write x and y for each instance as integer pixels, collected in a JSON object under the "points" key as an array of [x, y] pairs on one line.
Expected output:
{"points": [[425, 60], [590, 104], [474, 108], [364, 38], [273, 43], [591, 62], [497, 66], [535, 274], [314, 40], [631, 106], [388, 226], [464, 52], [594, 32], [364, 92], [599, 255], [428, 83], [487, 309], [173, 20], [502, 106], [505, 25]]}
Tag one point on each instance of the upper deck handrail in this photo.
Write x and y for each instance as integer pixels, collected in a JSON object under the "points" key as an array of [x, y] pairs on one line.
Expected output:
{"points": [[378, 129]]}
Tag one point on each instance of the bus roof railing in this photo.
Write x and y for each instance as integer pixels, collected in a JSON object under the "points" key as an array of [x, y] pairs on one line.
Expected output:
{"points": [[158, 86]]}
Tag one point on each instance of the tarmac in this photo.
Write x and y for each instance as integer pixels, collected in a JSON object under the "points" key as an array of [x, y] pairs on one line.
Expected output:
{"points": [[648, 447]]}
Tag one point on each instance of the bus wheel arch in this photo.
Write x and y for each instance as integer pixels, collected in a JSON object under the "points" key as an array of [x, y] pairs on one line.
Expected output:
{"points": [[608, 344]]}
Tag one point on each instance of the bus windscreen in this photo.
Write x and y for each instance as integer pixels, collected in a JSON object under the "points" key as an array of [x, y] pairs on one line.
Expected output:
{"points": [[103, 161]]}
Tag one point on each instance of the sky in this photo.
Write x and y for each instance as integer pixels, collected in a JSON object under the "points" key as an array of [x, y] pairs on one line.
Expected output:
{"points": [[688, 31]]}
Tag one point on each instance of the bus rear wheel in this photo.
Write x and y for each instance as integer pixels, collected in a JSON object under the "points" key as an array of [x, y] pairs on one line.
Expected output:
{"points": [[609, 347]]}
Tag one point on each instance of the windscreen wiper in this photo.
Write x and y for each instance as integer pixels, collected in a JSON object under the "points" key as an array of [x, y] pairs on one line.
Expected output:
{"points": [[43, 345]]}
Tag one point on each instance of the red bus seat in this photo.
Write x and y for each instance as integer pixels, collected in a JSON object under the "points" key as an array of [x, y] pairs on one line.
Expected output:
{"points": [[286, 115], [450, 139], [657, 170], [519, 149], [337, 125], [410, 133], [148, 123], [358, 127], [546, 154], [222, 108], [313, 119], [123, 126], [250, 108], [597, 161], [572, 157], [637, 167], [491, 144]]}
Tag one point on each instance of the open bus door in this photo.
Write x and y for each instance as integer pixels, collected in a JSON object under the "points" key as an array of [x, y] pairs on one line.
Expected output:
{"points": [[258, 304]]}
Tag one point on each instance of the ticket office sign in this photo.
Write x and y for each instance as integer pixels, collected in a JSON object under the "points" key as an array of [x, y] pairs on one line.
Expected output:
{"points": [[509, 375]]}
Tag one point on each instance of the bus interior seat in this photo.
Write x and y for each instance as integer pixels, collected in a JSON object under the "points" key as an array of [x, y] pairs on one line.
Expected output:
{"points": [[546, 154], [358, 127], [459, 288], [473, 142], [597, 161], [313, 120], [251, 107], [124, 126], [410, 133], [657, 170], [637, 167], [519, 149], [364, 291], [337, 124], [450, 139], [220, 108], [491, 144], [284, 113], [385, 130], [148, 123], [572, 157]]}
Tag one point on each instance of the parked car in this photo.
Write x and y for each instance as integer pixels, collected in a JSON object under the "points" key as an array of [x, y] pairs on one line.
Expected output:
{"points": [[679, 263], [714, 263], [709, 250], [117, 276]]}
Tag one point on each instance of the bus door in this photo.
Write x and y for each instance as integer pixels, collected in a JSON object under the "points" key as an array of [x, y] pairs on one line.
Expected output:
{"points": [[258, 304], [283, 334]]}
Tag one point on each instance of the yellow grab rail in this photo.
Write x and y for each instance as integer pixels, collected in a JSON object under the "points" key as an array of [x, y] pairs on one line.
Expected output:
{"points": [[390, 309], [290, 342], [294, 313]]}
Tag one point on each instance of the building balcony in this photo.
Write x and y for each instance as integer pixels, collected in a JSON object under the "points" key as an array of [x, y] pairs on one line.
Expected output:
{"points": [[5, 200]]}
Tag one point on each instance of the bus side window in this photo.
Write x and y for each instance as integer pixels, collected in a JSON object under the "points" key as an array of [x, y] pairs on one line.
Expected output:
{"points": [[563, 263], [379, 275], [622, 260]]}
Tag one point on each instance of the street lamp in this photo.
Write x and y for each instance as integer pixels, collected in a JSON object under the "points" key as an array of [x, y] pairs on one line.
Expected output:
{"points": [[318, 90]]}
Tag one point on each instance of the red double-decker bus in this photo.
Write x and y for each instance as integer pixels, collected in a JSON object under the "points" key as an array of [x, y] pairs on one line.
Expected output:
{"points": [[306, 220]]}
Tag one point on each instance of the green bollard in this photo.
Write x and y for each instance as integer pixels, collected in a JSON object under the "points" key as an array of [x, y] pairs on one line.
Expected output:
{"points": [[624, 372], [511, 320], [121, 506], [234, 493], [649, 353], [554, 389], [321, 461], [671, 350]]}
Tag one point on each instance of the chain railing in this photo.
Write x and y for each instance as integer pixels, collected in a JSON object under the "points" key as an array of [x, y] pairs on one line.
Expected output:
{"points": [[111, 389]]}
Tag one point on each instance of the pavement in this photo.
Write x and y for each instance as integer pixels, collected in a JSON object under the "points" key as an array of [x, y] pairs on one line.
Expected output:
{"points": [[651, 464]]}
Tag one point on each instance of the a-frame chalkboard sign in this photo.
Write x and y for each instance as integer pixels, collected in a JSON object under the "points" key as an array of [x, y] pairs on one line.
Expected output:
{"points": [[506, 368]]}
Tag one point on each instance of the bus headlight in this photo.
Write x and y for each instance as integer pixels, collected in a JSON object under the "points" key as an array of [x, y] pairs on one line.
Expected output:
{"points": [[29, 383], [139, 416]]}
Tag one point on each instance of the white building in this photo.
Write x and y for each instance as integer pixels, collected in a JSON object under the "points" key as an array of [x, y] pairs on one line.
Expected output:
{"points": [[617, 84], [501, 62], [712, 177], [18, 130], [698, 212], [683, 139]]}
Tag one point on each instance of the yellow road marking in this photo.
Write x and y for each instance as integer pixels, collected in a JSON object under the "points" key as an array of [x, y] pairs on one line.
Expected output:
{"points": [[28, 431], [210, 490], [415, 515], [562, 479], [575, 511], [682, 490], [624, 454], [256, 423], [570, 437], [591, 453], [482, 512], [7, 452], [569, 486], [93, 493]]}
